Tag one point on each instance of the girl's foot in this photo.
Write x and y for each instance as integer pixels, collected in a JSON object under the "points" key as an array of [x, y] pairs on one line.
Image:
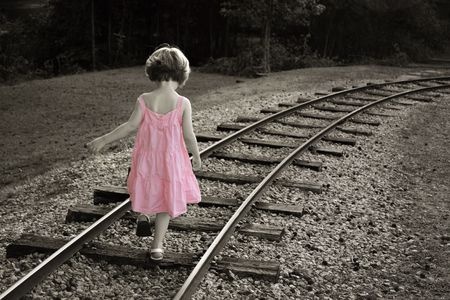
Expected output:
{"points": [[156, 254], [144, 227]]}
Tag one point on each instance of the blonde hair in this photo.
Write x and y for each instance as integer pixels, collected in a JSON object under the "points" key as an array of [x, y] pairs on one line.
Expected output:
{"points": [[168, 63]]}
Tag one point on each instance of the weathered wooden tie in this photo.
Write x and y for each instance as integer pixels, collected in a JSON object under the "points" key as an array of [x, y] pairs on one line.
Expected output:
{"points": [[376, 93], [276, 144], [401, 103], [125, 255], [207, 137], [355, 131], [290, 104], [361, 98], [314, 165], [391, 91], [418, 98], [89, 213], [343, 109], [346, 102], [339, 140], [316, 116], [377, 114], [243, 179], [274, 110], [270, 110], [293, 124], [332, 109], [338, 89], [287, 104], [390, 106], [422, 84], [326, 117], [113, 194], [441, 82]]}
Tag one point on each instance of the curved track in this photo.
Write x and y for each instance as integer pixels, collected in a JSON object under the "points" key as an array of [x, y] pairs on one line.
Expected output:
{"points": [[378, 90]]}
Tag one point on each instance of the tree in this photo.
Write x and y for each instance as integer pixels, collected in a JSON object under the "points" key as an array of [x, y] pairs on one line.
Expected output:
{"points": [[378, 28], [260, 15]]}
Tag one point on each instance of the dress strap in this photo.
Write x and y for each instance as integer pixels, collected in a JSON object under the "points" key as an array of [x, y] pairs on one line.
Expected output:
{"points": [[180, 109], [142, 103]]}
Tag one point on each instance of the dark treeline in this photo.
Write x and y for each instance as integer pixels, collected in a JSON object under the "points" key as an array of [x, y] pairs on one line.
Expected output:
{"points": [[228, 36]]}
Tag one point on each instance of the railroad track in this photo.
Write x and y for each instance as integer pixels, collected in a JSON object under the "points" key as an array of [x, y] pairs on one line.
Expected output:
{"points": [[319, 117]]}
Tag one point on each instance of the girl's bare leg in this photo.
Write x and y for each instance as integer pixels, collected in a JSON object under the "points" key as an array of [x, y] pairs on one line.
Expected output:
{"points": [[161, 224]]}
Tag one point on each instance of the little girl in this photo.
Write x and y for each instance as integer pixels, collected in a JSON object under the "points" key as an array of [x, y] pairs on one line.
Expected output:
{"points": [[161, 180]]}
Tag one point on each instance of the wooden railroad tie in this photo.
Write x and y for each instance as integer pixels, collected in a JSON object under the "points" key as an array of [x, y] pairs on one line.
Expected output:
{"points": [[275, 110], [418, 98], [397, 102], [440, 82], [376, 93], [332, 109], [339, 109], [360, 98], [234, 126], [125, 255], [243, 179], [378, 114], [90, 213], [313, 165], [297, 125], [337, 89], [326, 117], [275, 144], [386, 89], [114, 194], [422, 84], [346, 102], [320, 117]]}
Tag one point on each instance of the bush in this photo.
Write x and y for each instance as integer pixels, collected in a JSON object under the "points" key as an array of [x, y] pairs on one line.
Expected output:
{"points": [[282, 57], [314, 61]]}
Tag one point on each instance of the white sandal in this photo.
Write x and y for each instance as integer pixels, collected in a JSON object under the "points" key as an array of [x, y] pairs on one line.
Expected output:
{"points": [[156, 250]]}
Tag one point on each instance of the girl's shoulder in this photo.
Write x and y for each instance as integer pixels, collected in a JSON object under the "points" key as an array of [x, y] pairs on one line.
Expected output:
{"points": [[146, 96], [184, 102]]}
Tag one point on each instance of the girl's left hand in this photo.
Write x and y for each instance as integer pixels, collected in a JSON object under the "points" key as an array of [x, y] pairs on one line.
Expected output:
{"points": [[96, 145], [196, 163]]}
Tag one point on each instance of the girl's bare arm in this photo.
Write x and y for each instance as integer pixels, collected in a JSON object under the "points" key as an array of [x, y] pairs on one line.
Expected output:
{"points": [[126, 128], [188, 131], [121, 131]]}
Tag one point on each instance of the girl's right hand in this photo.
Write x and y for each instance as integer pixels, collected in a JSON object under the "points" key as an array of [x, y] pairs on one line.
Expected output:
{"points": [[196, 163], [96, 145]]}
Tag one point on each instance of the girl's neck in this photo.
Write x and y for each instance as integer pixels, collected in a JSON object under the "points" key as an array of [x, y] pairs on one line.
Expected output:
{"points": [[169, 86]]}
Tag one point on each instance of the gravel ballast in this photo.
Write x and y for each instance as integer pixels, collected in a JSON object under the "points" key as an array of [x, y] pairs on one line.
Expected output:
{"points": [[319, 253]]}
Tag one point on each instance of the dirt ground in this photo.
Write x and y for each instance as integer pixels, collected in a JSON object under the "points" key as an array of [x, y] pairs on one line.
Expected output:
{"points": [[47, 122]]}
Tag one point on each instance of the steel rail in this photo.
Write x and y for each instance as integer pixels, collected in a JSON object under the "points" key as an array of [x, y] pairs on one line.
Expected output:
{"points": [[26, 283], [232, 137], [195, 277]]}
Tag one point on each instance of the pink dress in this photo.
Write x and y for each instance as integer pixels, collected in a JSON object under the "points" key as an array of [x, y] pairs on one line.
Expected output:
{"points": [[161, 177]]}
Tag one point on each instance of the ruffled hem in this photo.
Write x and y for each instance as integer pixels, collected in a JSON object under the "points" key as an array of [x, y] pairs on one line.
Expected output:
{"points": [[158, 195], [172, 214]]}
